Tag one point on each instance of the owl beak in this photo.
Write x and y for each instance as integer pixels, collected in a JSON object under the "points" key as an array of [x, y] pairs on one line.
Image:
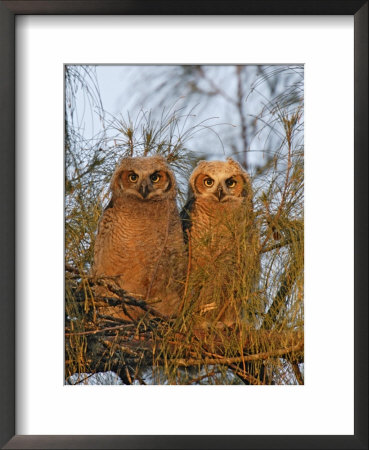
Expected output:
{"points": [[144, 190], [220, 193]]}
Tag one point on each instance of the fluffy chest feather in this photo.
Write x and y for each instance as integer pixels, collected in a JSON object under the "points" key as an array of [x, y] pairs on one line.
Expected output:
{"points": [[133, 232]]}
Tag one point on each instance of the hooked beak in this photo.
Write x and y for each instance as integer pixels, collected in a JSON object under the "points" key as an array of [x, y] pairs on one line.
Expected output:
{"points": [[220, 193], [144, 190]]}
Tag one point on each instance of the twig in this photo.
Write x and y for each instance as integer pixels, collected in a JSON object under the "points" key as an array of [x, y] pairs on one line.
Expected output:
{"points": [[215, 87], [244, 375], [274, 309], [289, 129], [114, 319], [202, 377], [121, 293], [277, 245], [74, 270], [126, 299], [297, 372], [102, 330], [255, 357], [239, 105]]}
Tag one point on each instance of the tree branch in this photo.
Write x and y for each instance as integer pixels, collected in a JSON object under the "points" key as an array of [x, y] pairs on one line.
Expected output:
{"points": [[256, 357]]}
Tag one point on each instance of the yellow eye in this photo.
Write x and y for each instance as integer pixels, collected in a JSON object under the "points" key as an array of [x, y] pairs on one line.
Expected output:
{"points": [[133, 177], [231, 183], [155, 177], [208, 182]]}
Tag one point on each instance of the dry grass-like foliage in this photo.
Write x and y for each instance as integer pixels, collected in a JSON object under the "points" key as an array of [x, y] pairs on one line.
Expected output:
{"points": [[257, 279]]}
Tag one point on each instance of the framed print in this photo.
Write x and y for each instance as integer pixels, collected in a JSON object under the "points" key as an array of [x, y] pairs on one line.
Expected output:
{"points": [[99, 99], [213, 277]]}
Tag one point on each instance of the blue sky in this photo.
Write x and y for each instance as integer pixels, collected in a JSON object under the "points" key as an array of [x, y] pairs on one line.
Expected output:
{"points": [[126, 89]]}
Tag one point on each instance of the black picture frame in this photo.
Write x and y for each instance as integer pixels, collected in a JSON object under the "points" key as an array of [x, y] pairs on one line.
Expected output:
{"points": [[8, 12]]}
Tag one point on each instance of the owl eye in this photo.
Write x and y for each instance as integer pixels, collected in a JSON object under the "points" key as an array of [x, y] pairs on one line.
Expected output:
{"points": [[208, 182], [231, 183], [155, 177], [133, 177]]}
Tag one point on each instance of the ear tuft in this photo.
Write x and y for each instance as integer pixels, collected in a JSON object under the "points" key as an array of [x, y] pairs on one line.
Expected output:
{"points": [[159, 158]]}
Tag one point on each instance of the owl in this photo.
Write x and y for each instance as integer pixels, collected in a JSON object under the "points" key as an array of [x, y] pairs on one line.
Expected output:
{"points": [[139, 242], [218, 223]]}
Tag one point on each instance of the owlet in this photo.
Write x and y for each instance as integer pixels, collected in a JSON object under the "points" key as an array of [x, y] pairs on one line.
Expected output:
{"points": [[218, 221], [139, 239]]}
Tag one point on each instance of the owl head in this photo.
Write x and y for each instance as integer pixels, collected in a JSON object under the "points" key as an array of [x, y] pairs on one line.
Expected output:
{"points": [[143, 178], [220, 181]]}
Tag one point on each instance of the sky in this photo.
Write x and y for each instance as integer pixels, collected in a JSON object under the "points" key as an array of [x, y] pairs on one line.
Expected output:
{"points": [[125, 90], [233, 109]]}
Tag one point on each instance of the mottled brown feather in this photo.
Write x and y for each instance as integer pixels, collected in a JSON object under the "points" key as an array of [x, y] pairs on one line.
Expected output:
{"points": [[208, 219], [139, 240]]}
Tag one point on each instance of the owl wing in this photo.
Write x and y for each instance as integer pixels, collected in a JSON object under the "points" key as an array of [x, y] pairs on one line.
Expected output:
{"points": [[185, 216]]}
